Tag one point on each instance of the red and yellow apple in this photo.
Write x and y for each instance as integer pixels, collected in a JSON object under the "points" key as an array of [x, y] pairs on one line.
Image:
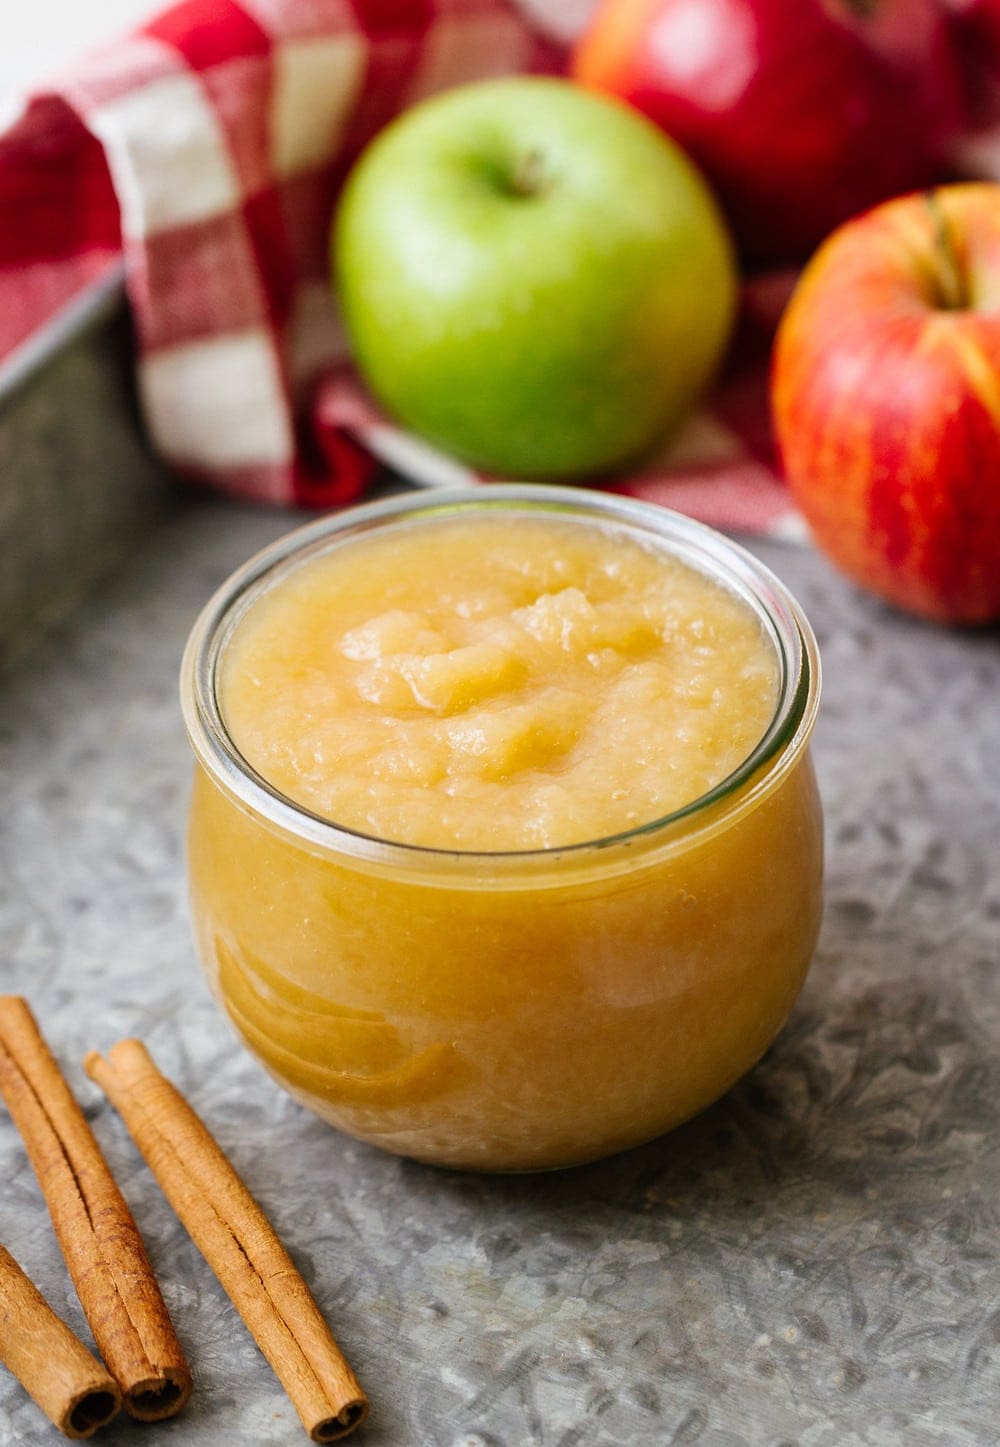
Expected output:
{"points": [[886, 396]]}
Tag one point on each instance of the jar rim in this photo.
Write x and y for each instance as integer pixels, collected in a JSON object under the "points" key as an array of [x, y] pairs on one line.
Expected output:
{"points": [[695, 544]]}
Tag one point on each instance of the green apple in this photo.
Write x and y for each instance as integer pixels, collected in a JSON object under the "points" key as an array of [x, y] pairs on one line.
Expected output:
{"points": [[532, 276]]}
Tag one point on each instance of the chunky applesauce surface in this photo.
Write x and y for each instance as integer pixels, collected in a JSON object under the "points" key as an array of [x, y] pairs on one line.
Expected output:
{"points": [[499, 681]]}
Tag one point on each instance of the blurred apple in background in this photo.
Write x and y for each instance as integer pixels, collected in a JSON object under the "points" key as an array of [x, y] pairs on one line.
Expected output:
{"points": [[800, 112], [532, 277], [886, 393], [975, 31]]}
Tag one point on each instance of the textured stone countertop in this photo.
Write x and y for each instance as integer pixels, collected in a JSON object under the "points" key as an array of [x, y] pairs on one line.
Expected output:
{"points": [[813, 1261]]}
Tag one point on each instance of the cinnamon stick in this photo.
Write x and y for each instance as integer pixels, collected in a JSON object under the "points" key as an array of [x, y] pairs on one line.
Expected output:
{"points": [[72, 1388], [236, 1239], [93, 1224]]}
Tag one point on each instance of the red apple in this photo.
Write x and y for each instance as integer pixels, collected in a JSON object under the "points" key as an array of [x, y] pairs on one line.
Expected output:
{"points": [[975, 34], [886, 394], [800, 112]]}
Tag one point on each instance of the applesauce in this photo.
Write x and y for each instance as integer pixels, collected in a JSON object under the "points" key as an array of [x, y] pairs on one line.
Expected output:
{"points": [[505, 846], [496, 682]]}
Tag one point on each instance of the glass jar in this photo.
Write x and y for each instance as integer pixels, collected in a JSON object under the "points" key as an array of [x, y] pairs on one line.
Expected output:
{"points": [[521, 1010]]}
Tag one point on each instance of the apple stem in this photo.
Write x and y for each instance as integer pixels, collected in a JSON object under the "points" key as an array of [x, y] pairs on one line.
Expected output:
{"points": [[529, 173], [953, 292]]}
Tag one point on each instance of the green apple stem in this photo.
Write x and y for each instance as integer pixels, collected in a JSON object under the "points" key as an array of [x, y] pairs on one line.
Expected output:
{"points": [[952, 285], [529, 174]]}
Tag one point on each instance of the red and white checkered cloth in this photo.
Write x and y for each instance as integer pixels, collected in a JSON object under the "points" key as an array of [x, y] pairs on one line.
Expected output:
{"points": [[208, 148]]}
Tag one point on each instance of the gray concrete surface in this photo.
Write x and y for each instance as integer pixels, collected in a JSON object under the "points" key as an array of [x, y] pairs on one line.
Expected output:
{"points": [[812, 1262]]}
